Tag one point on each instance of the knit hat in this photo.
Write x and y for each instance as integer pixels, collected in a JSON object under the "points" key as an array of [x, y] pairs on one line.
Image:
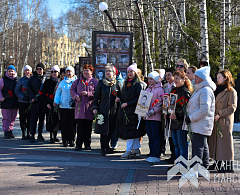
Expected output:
{"points": [[11, 67], [40, 65], [154, 75], [203, 72], [133, 67], [116, 70], [55, 68], [27, 67], [71, 69]]}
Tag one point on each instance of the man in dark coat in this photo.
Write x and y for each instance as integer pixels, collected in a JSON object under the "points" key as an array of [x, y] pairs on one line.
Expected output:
{"points": [[37, 109]]}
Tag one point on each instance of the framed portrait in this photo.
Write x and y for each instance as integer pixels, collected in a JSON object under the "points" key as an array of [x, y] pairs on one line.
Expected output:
{"points": [[166, 101], [144, 101], [172, 104], [111, 47], [82, 62], [100, 74]]}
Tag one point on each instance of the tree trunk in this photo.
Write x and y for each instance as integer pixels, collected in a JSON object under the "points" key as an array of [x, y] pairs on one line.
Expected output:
{"points": [[222, 35]]}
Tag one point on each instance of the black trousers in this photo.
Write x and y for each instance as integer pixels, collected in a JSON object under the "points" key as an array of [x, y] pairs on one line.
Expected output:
{"points": [[84, 131], [35, 116], [104, 140], [25, 118], [68, 124], [162, 140], [172, 148]]}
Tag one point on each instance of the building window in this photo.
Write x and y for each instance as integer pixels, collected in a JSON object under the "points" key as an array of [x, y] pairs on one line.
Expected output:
{"points": [[60, 63]]}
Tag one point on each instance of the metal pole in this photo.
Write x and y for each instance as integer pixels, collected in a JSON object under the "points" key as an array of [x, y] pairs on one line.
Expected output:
{"points": [[109, 17], [87, 52], [143, 36]]}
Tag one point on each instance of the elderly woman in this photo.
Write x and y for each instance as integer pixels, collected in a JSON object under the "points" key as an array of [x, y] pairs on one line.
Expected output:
{"points": [[127, 121], [24, 102], [221, 147], [105, 102], [66, 107], [9, 103], [201, 108], [82, 91], [49, 89]]}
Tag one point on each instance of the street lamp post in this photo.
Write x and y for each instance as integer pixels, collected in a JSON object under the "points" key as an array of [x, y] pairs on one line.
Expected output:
{"points": [[104, 8], [3, 64], [85, 46], [143, 35]]}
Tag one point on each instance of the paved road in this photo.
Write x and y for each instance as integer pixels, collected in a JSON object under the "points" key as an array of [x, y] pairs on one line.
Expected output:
{"points": [[43, 168]]}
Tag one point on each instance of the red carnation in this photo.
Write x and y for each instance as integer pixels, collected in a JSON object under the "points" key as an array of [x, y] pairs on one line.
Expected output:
{"points": [[182, 103], [50, 97], [156, 101], [178, 101], [39, 92], [86, 83], [10, 95], [153, 104], [82, 81], [186, 100], [24, 89], [9, 92], [46, 94], [114, 93]]}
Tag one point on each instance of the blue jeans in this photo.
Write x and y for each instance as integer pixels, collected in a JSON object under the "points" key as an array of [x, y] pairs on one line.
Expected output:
{"points": [[180, 143], [152, 128]]}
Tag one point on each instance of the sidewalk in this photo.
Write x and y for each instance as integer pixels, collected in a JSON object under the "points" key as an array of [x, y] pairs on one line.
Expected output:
{"points": [[43, 168]]}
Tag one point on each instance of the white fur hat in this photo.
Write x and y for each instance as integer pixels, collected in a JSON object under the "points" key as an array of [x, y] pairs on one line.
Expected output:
{"points": [[71, 69], [154, 75], [27, 67], [203, 72], [55, 67]]}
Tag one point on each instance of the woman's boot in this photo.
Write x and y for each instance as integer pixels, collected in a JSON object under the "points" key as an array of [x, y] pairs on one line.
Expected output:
{"points": [[24, 137]]}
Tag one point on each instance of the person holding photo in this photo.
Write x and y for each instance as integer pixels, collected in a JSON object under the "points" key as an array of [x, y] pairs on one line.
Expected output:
{"points": [[179, 134], [127, 120], [153, 117]]}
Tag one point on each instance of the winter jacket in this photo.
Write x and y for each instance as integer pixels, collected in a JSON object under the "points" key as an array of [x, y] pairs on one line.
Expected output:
{"points": [[63, 96], [181, 92], [48, 91], [34, 85], [105, 103], [201, 108], [157, 91], [21, 90], [8, 83], [85, 111], [221, 148], [130, 94]]}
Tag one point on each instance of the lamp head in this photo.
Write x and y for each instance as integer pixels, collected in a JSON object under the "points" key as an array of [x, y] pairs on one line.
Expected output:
{"points": [[78, 56], [103, 6], [84, 45]]}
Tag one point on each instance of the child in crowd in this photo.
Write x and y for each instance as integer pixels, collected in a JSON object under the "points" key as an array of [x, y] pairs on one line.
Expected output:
{"points": [[153, 117]]}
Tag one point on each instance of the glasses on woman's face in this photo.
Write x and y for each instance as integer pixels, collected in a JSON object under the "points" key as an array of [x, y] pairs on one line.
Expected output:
{"points": [[54, 71], [39, 68], [180, 66], [108, 70]]}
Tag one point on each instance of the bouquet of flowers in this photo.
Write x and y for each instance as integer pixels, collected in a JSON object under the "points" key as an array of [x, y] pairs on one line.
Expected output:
{"points": [[100, 119], [114, 93], [10, 94], [182, 101], [219, 131], [29, 107]]}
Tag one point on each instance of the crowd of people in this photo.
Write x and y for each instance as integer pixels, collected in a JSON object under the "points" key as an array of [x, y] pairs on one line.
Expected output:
{"points": [[204, 110]]}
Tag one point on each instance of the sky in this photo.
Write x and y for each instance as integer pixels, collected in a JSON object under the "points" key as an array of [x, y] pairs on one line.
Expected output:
{"points": [[56, 6]]}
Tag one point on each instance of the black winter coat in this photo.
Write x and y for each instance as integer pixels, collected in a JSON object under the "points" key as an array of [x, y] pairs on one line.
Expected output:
{"points": [[9, 102], [48, 91], [182, 92], [34, 85], [105, 103], [130, 95]]}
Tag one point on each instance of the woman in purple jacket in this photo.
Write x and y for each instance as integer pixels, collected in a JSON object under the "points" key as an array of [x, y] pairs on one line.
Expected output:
{"points": [[82, 91]]}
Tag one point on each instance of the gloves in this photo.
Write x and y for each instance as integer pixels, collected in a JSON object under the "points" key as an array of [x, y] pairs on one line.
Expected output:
{"points": [[187, 120]]}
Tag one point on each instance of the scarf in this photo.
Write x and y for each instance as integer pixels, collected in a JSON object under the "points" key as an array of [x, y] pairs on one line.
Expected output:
{"points": [[56, 80], [109, 83], [219, 89]]}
